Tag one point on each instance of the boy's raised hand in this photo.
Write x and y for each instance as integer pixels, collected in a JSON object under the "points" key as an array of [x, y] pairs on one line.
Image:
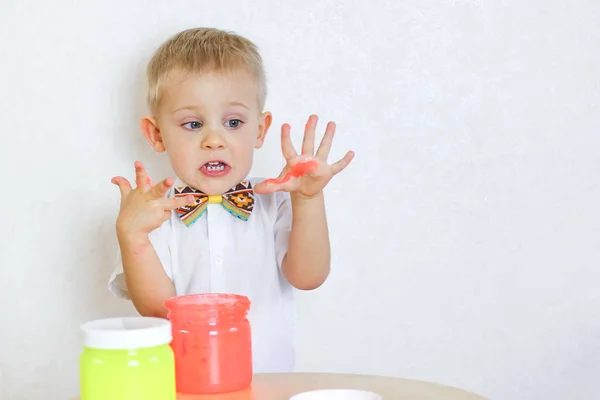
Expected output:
{"points": [[145, 208], [313, 183]]}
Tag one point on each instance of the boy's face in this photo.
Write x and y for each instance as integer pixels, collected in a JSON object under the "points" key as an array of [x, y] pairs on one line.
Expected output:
{"points": [[209, 124]]}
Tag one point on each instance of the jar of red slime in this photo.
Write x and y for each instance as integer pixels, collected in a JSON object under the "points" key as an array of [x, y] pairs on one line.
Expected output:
{"points": [[212, 342]]}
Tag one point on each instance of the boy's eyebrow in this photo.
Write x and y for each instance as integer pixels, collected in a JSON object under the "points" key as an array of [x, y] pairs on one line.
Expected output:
{"points": [[184, 108], [238, 103], [231, 103]]}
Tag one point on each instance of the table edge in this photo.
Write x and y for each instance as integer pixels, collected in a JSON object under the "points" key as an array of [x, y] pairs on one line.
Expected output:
{"points": [[398, 378]]}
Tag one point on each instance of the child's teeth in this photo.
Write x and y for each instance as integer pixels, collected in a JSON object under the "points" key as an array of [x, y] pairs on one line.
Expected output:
{"points": [[215, 166]]}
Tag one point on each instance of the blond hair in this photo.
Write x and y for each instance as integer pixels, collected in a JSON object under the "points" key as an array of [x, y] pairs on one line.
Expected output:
{"points": [[204, 50]]}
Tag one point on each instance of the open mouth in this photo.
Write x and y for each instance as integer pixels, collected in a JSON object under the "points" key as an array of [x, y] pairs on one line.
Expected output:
{"points": [[213, 168]]}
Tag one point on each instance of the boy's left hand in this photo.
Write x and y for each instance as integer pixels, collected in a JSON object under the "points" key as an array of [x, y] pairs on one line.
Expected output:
{"points": [[311, 184]]}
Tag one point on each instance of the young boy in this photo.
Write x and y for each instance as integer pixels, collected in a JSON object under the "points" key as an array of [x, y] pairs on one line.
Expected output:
{"points": [[206, 96]]}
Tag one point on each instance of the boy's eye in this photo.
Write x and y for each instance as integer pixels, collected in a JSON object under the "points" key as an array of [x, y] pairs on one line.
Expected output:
{"points": [[233, 123], [192, 125]]}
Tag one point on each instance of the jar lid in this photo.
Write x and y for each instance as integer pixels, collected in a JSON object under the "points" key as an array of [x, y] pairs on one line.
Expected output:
{"points": [[126, 333]]}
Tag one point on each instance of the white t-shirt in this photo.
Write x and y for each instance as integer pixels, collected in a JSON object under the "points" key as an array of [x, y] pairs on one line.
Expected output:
{"points": [[221, 253]]}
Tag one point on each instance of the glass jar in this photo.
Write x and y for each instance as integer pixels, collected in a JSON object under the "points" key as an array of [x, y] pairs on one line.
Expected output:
{"points": [[212, 342], [127, 359]]}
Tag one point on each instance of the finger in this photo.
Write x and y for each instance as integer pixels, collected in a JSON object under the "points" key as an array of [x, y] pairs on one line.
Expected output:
{"points": [[142, 180], [123, 184], [159, 190], [288, 186], [287, 148], [176, 202], [308, 145], [267, 187], [339, 166], [325, 146], [275, 181]]}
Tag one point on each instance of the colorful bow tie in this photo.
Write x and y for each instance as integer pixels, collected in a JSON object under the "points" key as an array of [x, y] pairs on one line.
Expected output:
{"points": [[239, 201]]}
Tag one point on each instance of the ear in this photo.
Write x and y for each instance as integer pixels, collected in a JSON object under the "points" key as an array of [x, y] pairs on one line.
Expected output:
{"points": [[263, 127], [152, 133]]}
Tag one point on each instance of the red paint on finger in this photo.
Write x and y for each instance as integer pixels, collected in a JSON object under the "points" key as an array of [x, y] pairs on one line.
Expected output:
{"points": [[299, 169], [275, 181], [148, 180]]}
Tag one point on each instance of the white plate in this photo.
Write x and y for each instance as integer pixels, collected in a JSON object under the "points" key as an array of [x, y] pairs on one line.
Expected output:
{"points": [[337, 394]]}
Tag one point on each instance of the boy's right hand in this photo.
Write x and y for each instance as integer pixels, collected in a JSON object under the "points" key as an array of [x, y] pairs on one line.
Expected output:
{"points": [[144, 208]]}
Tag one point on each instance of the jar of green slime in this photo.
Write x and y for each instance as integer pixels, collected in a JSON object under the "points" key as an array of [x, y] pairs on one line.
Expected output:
{"points": [[127, 359]]}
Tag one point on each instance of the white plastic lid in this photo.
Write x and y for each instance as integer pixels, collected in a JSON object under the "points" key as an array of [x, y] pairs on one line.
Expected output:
{"points": [[126, 333], [337, 394]]}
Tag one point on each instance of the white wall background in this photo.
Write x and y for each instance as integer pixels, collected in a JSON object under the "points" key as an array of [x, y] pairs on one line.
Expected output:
{"points": [[466, 233]]}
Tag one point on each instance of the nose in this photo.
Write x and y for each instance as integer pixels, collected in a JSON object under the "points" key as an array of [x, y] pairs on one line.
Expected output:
{"points": [[212, 140]]}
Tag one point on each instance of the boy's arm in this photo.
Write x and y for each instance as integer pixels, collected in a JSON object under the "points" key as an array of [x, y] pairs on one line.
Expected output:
{"points": [[307, 262], [147, 283], [142, 211]]}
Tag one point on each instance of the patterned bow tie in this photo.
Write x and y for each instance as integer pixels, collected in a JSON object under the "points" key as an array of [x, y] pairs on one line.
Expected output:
{"points": [[239, 201]]}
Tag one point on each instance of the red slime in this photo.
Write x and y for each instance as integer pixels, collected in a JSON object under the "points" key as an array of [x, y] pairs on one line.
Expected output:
{"points": [[297, 170]]}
